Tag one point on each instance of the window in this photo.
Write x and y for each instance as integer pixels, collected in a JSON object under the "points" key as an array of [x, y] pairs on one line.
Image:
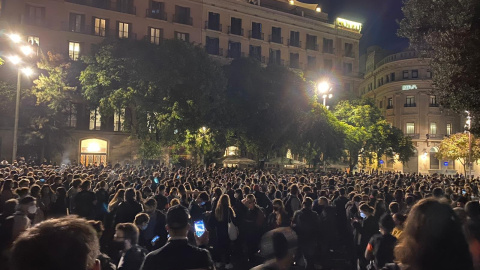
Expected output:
{"points": [[156, 34], [275, 57], [100, 27], [449, 129], [415, 73], [256, 32], [429, 74], [125, 6], [124, 29], [347, 68], [433, 128], [311, 62], [95, 119], [76, 22], [410, 128], [34, 15], [234, 49], [311, 42], [236, 26], [328, 64], [392, 76], [73, 50], [390, 103], [33, 40], [294, 39], [157, 11], [182, 36], [214, 21], [256, 52], [327, 45], [433, 101], [405, 74], [294, 60], [387, 79], [182, 15], [276, 35], [118, 120], [349, 50], [410, 101], [212, 46], [71, 115]]}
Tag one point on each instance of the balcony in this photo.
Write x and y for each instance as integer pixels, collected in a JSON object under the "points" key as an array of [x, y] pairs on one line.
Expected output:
{"points": [[328, 50], [235, 31], [182, 19], [434, 105], [410, 105], [294, 43], [80, 29], [275, 39], [213, 26], [118, 6], [413, 135], [313, 47], [349, 54], [276, 61], [255, 35], [156, 14], [389, 107], [35, 21], [235, 54], [214, 51]]}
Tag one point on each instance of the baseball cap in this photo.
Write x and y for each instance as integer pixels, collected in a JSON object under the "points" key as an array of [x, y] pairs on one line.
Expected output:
{"points": [[177, 217]]}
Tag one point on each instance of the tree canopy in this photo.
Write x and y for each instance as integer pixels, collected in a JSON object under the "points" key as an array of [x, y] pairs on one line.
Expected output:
{"points": [[447, 32], [456, 147]]}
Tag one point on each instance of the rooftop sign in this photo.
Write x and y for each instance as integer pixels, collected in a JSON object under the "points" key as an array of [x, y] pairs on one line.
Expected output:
{"points": [[409, 87], [356, 26]]}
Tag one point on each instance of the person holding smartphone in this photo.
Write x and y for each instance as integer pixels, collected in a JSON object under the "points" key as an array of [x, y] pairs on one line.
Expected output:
{"points": [[364, 229]]}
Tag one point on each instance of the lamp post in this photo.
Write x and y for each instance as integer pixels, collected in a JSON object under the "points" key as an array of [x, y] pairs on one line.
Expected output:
{"points": [[324, 87], [469, 124], [16, 60]]}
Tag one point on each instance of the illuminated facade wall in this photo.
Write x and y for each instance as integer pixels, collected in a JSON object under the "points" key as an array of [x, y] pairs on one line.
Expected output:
{"points": [[401, 85]]}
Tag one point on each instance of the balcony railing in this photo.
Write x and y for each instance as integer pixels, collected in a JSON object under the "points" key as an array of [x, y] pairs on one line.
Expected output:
{"points": [[389, 107], [275, 39], [434, 105], [413, 135], [235, 54], [81, 29], [234, 31], [328, 50], [106, 4], [213, 26], [276, 61], [255, 35], [182, 19], [410, 105], [156, 14], [214, 51], [294, 43], [349, 54], [310, 46]]}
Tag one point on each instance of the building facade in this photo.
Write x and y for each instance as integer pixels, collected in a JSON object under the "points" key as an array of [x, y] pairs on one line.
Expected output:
{"points": [[401, 85], [289, 33]]}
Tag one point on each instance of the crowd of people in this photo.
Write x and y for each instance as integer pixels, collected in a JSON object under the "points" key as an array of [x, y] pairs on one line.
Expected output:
{"points": [[145, 217]]}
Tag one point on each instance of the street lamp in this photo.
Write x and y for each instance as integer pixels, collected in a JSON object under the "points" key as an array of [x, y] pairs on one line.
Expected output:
{"points": [[468, 125], [16, 60], [325, 87]]}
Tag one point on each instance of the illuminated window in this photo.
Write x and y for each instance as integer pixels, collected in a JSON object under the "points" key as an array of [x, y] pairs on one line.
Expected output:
{"points": [[123, 29], [33, 40], [73, 50], [182, 36], [76, 23], [410, 128], [433, 128], [232, 151], [119, 120], [449, 129], [390, 103], [156, 35], [100, 27], [95, 119]]}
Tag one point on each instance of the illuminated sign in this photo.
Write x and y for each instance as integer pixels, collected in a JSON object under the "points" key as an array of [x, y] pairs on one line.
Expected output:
{"points": [[349, 24], [409, 87], [381, 161], [445, 163]]}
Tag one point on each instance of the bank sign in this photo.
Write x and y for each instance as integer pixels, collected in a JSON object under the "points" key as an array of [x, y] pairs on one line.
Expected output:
{"points": [[409, 87]]}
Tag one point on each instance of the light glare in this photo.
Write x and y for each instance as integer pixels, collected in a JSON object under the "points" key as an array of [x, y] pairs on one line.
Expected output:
{"points": [[14, 59], [27, 50], [323, 87], [27, 71], [15, 38]]}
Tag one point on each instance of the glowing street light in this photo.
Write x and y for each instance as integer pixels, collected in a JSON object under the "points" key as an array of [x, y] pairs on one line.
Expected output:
{"points": [[325, 87], [15, 59], [27, 71], [15, 38], [26, 50], [291, 2]]}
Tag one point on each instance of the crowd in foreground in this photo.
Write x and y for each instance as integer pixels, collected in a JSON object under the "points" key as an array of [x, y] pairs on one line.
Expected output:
{"points": [[163, 217]]}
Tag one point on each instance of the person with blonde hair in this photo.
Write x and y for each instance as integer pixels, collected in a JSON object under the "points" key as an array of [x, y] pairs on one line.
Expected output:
{"points": [[223, 214]]}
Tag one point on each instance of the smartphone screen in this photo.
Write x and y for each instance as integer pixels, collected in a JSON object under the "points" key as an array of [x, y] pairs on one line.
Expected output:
{"points": [[363, 215], [464, 192], [155, 239], [199, 228], [42, 180], [155, 180]]}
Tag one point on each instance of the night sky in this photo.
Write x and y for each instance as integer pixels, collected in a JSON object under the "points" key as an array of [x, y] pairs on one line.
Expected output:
{"points": [[379, 18]]}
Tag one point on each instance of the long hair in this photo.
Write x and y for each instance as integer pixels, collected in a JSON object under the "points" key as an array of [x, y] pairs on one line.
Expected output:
{"points": [[281, 211], [433, 239], [120, 194], [222, 205]]}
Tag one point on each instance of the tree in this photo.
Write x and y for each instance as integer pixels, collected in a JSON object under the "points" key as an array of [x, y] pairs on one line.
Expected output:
{"points": [[170, 90], [456, 147], [369, 135], [447, 32]]}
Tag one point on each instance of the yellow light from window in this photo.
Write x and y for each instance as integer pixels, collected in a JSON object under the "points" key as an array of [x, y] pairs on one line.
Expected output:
{"points": [[291, 2], [93, 147], [349, 24], [318, 9]]}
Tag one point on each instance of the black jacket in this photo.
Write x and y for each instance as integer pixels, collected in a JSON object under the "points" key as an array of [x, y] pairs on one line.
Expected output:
{"points": [[173, 256], [127, 211], [132, 259]]}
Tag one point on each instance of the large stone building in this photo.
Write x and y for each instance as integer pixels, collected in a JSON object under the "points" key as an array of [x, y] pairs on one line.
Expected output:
{"points": [[290, 33], [401, 85]]}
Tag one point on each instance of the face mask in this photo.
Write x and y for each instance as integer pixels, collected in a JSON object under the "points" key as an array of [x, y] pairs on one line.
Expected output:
{"points": [[236, 196], [32, 209], [143, 228]]}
